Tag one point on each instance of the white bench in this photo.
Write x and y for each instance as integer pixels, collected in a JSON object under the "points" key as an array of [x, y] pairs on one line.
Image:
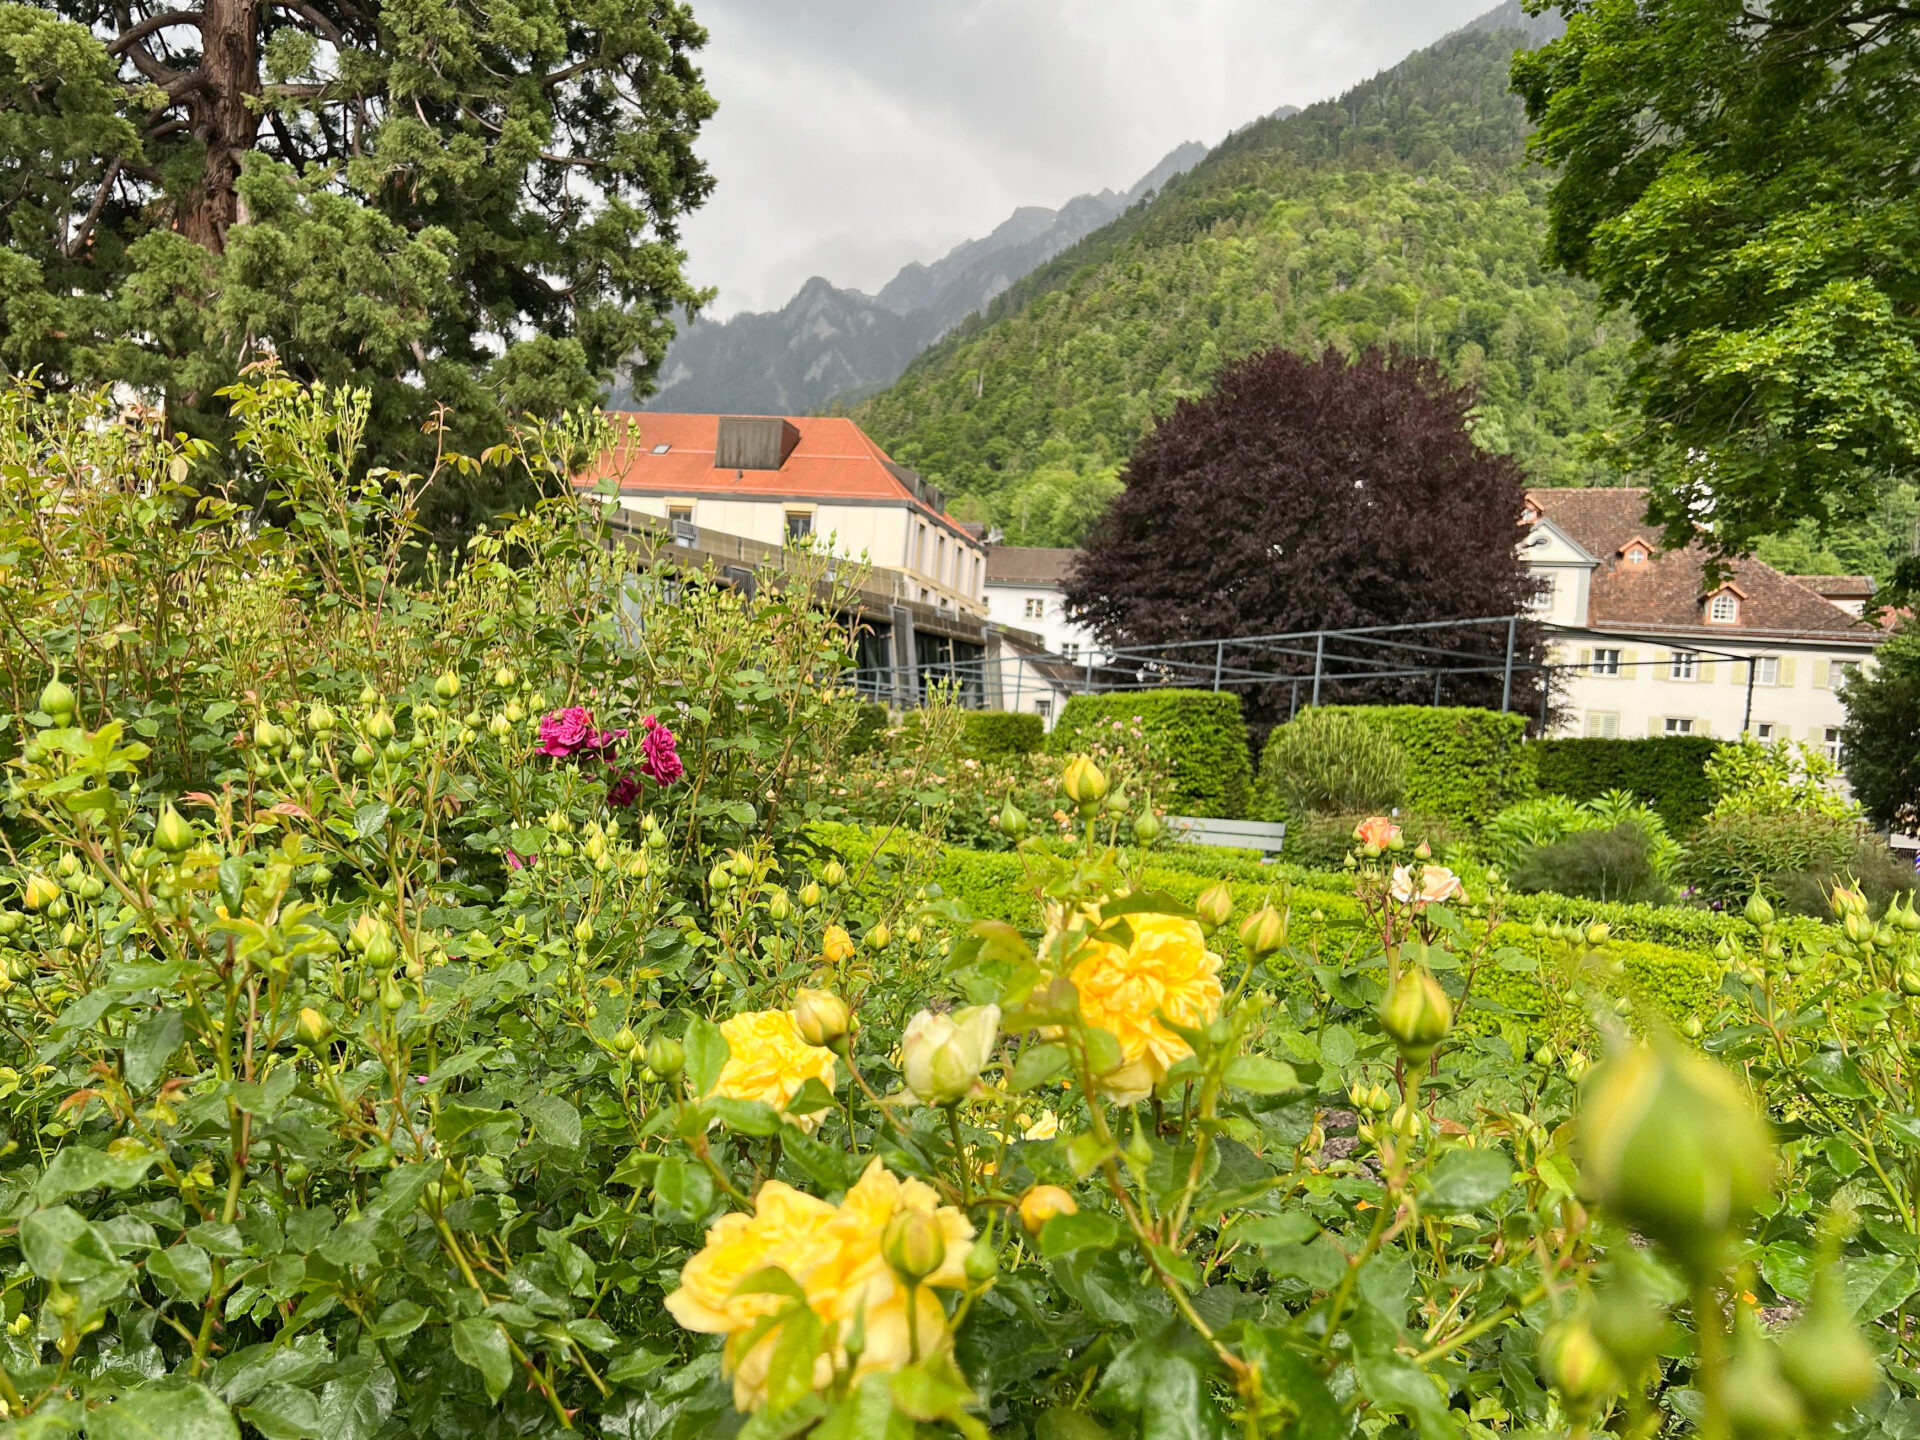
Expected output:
{"points": [[1235, 834]]}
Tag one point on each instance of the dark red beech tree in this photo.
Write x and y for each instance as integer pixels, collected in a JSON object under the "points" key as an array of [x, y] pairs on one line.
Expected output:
{"points": [[1307, 494]]}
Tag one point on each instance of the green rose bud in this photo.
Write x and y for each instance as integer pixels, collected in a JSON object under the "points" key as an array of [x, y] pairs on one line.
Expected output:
{"points": [[1084, 782], [447, 687], [666, 1056], [1011, 821], [173, 833], [57, 700], [1577, 1363], [1263, 932], [314, 1029], [913, 1244], [1824, 1357], [1147, 828], [1670, 1144], [1213, 906], [821, 1017], [1416, 1014], [1759, 912]]}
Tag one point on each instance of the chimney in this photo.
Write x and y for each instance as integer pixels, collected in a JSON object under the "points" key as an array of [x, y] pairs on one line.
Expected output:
{"points": [[754, 442]]}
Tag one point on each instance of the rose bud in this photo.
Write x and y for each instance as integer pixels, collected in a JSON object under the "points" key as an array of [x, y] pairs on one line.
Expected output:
{"points": [[942, 1055], [1042, 1203], [821, 1017], [1416, 1014], [913, 1244]]}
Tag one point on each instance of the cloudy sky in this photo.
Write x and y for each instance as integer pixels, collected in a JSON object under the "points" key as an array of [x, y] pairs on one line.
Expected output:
{"points": [[856, 135]]}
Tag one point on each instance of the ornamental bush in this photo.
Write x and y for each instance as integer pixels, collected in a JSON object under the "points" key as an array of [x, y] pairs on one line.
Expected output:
{"points": [[1461, 763], [1001, 734], [1667, 772], [1196, 738], [1328, 763]]}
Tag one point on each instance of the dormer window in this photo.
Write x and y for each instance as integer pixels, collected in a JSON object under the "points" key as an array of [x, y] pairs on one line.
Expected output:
{"points": [[1635, 553], [1724, 608]]}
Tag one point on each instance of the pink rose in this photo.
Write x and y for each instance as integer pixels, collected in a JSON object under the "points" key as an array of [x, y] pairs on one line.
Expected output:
{"points": [[1438, 884], [564, 733], [1378, 831], [658, 760]]}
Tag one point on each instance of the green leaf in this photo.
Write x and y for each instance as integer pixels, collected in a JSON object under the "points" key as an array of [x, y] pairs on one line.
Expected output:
{"points": [[1261, 1076], [810, 1099], [790, 1371], [370, 819], [1083, 1230], [554, 1120], [79, 1168], [283, 1412], [1394, 1383], [164, 1412], [402, 1187], [707, 1054], [1296, 1227], [1835, 1073], [931, 1390], [748, 1117], [1874, 1284], [480, 1342], [403, 1317], [356, 1405], [633, 1366], [1104, 1054], [182, 1272], [1468, 1179], [1037, 1065], [149, 1046], [1177, 1403]]}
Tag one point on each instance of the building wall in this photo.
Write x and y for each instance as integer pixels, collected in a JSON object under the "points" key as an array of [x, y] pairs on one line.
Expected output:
{"points": [[950, 571], [1041, 610], [1802, 702]]}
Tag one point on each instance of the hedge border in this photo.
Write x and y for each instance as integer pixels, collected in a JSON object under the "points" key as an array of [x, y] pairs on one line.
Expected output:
{"points": [[1198, 736]]}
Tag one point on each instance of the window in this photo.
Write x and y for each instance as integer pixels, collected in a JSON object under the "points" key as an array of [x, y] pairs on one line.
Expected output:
{"points": [[1605, 662], [661, 449], [1543, 597], [1724, 608], [680, 512], [1070, 649], [1043, 708], [1603, 724], [1766, 670], [1830, 742], [1764, 731], [799, 524], [1036, 609], [1636, 554], [1843, 671], [1681, 665], [1676, 725]]}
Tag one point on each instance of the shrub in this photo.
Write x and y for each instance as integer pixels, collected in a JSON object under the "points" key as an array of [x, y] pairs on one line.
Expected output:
{"points": [[1196, 739], [1611, 864], [1516, 831], [1462, 763], [867, 731], [1001, 734], [1332, 763], [1668, 773], [1874, 870], [1780, 777], [1880, 744], [1732, 856]]}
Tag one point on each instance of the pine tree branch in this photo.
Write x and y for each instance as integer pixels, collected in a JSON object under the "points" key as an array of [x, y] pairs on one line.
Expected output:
{"points": [[131, 35]]}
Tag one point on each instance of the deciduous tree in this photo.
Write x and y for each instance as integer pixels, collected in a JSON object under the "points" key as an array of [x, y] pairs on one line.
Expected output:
{"points": [[1307, 494], [1744, 180]]}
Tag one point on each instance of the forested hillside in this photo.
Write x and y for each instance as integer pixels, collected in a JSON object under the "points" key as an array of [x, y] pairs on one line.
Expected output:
{"points": [[1401, 213]]}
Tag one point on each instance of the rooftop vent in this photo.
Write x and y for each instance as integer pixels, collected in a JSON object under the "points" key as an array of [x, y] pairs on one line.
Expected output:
{"points": [[754, 442]]}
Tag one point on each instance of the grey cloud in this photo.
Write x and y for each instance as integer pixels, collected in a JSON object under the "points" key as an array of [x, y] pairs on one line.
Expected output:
{"points": [[854, 135]]}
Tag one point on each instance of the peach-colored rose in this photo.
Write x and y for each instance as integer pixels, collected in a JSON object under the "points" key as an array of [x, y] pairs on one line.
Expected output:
{"points": [[1378, 831], [1438, 884]]}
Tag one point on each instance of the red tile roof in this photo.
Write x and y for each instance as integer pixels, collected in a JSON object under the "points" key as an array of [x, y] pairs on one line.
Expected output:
{"points": [[833, 460], [1669, 591], [1028, 565]]}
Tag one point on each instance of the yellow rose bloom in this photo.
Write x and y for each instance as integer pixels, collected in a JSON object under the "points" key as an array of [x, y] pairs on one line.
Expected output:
{"points": [[767, 1060], [1167, 968], [833, 1254]]}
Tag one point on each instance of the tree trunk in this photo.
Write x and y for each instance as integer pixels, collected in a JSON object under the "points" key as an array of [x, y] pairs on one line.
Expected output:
{"points": [[225, 116]]}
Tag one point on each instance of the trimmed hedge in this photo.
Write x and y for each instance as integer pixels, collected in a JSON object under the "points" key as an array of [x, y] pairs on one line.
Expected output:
{"points": [[1196, 736], [1668, 772], [1679, 982], [1001, 734], [869, 729], [1462, 764]]}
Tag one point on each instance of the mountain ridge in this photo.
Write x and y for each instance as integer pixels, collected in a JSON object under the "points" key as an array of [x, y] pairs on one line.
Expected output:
{"points": [[832, 343]]}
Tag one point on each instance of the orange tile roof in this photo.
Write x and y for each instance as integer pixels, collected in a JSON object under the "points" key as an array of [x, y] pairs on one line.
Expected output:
{"points": [[833, 460]]}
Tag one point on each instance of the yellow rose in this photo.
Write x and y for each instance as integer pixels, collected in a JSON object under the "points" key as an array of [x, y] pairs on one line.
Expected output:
{"points": [[833, 1254], [1167, 968], [767, 1060], [835, 945]]}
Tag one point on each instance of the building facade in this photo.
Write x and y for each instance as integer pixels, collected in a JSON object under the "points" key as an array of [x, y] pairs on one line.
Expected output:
{"points": [[778, 480], [1651, 647], [1025, 591]]}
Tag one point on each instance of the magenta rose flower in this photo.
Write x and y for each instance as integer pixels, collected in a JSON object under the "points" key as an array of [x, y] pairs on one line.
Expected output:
{"points": [[658, 760], [565, 733], [624, 790]]}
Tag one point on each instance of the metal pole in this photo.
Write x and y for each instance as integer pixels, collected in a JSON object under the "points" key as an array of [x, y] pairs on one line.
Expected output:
{"points": [[1219, 659], [1506, 685], [1319, 651], [1087, 688], [1746, 722], [1293, 706], [1436, 689], [1546, 689]]}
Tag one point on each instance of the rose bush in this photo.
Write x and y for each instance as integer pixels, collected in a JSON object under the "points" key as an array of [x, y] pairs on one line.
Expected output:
{"points": [[429, 1006]]}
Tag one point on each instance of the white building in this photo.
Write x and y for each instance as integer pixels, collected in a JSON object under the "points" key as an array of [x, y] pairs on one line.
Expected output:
{"points": [[1024, 592], [1652, 649]]}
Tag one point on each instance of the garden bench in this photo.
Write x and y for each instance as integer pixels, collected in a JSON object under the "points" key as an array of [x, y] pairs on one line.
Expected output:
{"points": [[1235, 834]]}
